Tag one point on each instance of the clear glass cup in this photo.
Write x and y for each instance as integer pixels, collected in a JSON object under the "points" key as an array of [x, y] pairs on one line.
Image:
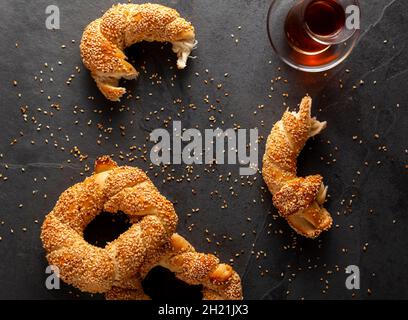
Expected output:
{"points": [[303, 48], [344, 33]]}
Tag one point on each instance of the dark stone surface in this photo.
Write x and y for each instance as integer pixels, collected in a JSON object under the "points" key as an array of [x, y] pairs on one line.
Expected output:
{"points": [[371, 197]]}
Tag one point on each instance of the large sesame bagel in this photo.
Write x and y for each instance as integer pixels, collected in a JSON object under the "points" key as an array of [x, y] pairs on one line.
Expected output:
{"points": [[105, 39], [219, 281], [111, 189], [299, 200]]}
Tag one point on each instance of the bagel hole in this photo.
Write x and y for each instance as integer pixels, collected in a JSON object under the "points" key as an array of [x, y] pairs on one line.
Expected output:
{"points": [[162, 285], [106, 227]]}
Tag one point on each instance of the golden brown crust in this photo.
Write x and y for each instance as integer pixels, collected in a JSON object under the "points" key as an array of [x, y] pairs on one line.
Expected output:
{"points": [[104, 163], [104, 40], [118, 268], [297, 194], [219, 281], [298, 200], [110, 188]]}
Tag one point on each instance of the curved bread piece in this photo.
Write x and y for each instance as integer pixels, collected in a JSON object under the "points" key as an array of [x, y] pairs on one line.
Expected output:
{"points": [[299, 200], [105, 39], [219, 281], [111, 189]]}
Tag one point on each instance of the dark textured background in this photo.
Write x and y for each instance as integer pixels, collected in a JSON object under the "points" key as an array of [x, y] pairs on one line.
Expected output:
{"points": [[366, 175]]}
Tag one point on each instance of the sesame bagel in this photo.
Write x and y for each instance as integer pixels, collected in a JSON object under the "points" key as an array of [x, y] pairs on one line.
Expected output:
{"points": [[111, 189], [105, 39], [219, 281], [299, 200]]}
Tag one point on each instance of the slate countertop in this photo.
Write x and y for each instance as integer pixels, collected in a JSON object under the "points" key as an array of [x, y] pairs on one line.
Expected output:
{"points": [[362, 155]]}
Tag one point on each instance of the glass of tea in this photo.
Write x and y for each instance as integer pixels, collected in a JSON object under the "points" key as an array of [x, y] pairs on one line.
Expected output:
{"points": [[313, 35]]}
